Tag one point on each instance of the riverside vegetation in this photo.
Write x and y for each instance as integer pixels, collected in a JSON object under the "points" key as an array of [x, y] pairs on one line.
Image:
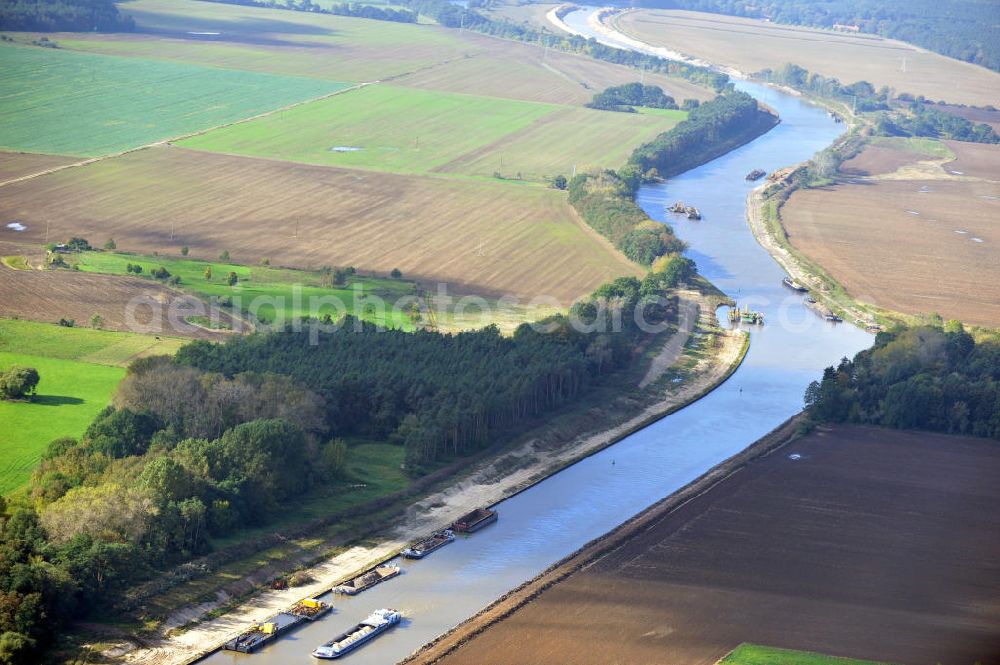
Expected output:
{"points": [[197, 446]]}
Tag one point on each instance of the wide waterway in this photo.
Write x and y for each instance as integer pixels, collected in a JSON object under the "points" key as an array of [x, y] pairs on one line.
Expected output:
{"points": [[560, 514]]}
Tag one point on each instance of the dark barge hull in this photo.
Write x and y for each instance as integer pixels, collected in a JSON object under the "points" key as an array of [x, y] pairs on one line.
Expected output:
{"points": [[475, 520]]}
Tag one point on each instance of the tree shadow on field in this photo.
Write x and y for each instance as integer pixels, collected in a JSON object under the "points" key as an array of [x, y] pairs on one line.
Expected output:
{"points": [[56, 400], [244, 30]]}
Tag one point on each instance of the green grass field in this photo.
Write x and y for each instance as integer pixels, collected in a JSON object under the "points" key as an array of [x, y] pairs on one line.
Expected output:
{"points": [[569, 137], [272, 289], [63, 102], [79, 370], [400, 130], [752, 654]]}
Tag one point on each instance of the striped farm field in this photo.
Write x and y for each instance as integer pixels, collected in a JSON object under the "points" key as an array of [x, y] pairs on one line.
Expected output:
{"points": [[57, 101], [379, 127], [485, 237]]}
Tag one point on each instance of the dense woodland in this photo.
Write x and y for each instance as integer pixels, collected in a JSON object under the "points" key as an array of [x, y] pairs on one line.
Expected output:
{"points": [[224, 436], [894, 115], [63, 15], [711, 129], [936, 378], [964, 29], [626, 97]]}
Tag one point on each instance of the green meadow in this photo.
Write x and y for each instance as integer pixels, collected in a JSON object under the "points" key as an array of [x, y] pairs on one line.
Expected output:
{"points": [[380, 127], [293, 292], [752, 654], [63, 102], [79, 370]]}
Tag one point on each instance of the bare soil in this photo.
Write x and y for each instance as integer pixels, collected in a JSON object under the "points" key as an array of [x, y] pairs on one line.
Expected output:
{"points": [[48, 295], [876, 159], [19, 164], [941, 228], [483, 238], [751, 45], [976, 160], [873, 544]]}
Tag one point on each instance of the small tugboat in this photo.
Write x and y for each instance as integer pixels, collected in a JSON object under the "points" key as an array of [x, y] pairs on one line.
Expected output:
{"points": [[692, 212], [756, 174], [353, 587], [421, 549], [793, 285], [377, 623], [746, 316], [475, 520]]}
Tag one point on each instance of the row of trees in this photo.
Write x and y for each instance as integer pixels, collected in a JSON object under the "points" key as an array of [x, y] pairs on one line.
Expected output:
{"points": [[710, 130], [63, 15], [453, 15], [903, 116], [356, 10], [606, 201], [936, 378], [962, 29]]}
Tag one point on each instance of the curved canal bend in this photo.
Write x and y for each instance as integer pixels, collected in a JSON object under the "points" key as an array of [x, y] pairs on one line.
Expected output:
{"points": [[554, 518]]}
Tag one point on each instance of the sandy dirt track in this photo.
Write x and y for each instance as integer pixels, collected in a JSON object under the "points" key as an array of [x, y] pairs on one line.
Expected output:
{"points": [[874, 544]]}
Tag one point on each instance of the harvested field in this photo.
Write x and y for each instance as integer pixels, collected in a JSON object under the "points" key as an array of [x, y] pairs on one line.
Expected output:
{"points": [[61, 102], [878, 160], [486, 238], [752, 45], [991, 118], [942, 229], [17, 164], [976, 160], [873, 544], [49, 295], [501, 68], [347, 49]]}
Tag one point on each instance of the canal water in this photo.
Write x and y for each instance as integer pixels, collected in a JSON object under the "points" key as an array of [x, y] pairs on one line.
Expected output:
{"points": [[557, 516]]}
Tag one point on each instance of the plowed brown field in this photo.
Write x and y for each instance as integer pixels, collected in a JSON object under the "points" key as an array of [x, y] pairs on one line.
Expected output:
{"points": [[480, 237], [919, 241], [50, 295], [17, 164], [751, 45], [874, 544]]}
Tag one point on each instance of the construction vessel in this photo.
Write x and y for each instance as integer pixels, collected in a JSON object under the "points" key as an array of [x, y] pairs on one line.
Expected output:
{"points": [[421, 549], [746, 316], [377, 623], [366, 580], [475, 520], [267, 631]]}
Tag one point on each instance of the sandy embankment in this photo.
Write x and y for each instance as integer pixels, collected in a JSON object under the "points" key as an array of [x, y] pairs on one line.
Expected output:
{"points": [[486, 485]]}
